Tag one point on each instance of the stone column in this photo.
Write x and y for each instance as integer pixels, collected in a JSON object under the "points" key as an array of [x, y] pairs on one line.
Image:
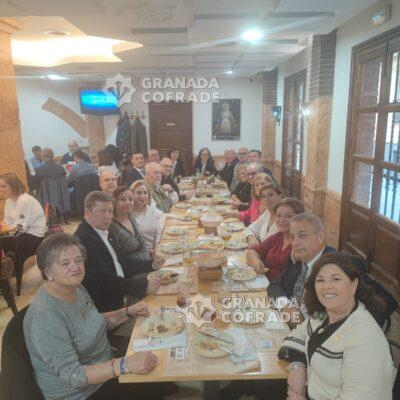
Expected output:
{"points": [[11, 152], [270, 83], [318, 132]]}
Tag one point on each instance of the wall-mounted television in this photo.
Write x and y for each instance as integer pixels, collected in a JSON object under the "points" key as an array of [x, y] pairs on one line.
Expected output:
{"points": [[98, 102]]}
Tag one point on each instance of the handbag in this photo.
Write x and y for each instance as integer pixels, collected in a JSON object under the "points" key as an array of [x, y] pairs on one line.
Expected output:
{"points": [[51, 217]]}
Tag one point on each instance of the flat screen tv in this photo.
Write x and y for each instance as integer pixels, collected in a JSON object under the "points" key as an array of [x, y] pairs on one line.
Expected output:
{"points": [[98, 102]]}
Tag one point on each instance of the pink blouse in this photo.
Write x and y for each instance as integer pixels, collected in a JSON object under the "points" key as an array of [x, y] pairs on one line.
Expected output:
{"points": [[251, 214]]}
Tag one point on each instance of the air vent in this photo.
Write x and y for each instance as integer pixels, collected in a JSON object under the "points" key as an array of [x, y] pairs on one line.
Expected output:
{"points": [[302, 14], [158, 30], [226, 16], [56, 32]]}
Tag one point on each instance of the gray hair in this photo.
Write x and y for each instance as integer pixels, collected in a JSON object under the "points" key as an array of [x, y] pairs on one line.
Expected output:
{"points": [[93, 197], [151, 166], [52, 246], [257, 166], [311, 218]]}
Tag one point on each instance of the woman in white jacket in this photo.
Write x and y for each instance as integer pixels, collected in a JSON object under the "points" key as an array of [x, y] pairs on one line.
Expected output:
{"points": [[270, 194], [340, 353]]}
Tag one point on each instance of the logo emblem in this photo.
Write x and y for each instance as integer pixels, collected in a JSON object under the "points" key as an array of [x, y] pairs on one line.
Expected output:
{"points": [[122, 87], [199, 310]]}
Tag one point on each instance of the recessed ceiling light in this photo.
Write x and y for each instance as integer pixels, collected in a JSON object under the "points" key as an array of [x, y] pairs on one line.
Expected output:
{"points": [[252, 35], [56, 32], [229, 72]]}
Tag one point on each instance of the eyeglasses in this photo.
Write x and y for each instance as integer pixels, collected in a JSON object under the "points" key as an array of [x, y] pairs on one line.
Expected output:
{"points": [[251, 173], [242, 154]]}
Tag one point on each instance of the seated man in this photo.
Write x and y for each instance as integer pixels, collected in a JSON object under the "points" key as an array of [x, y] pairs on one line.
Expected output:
{"points": [[226, 173], [108, 276], [255, 157], [308, 244], [36, 161], [69, 156], [154, 155], [167, 183], [242, 156], [135, 172], [153, 180], [80, 168], [108, 182], [49, 169]]}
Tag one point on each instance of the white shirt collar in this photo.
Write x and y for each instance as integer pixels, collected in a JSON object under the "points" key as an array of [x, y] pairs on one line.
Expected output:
{"points": [[102, 233], [311, 263]]}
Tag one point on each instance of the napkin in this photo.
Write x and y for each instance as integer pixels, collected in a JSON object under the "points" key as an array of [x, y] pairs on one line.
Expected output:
{"points": [[259, 282], [243, 351], [178, 340]]}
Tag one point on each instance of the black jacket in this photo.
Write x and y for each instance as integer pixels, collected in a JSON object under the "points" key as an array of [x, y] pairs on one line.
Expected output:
{"points": [[210, 167], [132, 175], [226, 173], [66, 158], [169, 181], [179, 169], [105, 287], [243, 192], [283, 285], [48, 170]]}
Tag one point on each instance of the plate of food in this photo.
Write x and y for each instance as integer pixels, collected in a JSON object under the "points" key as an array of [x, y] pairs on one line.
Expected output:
{"points": [[182, 206], [172, 247], [230, 220], [236, 244], [211, 347], [177, 230], [235, 226], [244, 274], [184, 217], [248, 316], [162, 326], [165, 275]]}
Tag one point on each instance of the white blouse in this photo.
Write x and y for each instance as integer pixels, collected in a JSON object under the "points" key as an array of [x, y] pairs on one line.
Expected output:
{"points": [[260, 227], [28, 212], [150, 224]]}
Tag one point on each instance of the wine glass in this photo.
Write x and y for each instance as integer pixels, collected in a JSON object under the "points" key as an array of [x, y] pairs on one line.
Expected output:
{"points": [[184, 286]]}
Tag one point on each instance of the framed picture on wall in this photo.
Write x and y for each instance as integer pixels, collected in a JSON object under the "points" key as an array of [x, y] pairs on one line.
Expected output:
{"points": [[226, 119]]}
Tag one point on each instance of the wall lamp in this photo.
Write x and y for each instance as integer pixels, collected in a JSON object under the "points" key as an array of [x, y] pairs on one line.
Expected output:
{"points": [[305, 111], [277, 113]]}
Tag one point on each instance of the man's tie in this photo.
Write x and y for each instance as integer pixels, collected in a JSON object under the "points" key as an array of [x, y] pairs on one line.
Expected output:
{"points": [[298, 289]]}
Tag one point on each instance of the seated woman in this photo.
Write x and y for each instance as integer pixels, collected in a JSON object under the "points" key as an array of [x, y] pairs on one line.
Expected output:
{"points": [[178, 170], [66, 337], [241, 194], [23, 214], [265, 226], [149, 219], [204, 164], [339, 352], [256, 208], [271, 255]]}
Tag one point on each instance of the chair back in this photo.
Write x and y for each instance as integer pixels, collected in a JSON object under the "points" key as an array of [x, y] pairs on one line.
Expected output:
{"points": [[55, 191], [83, 186], [17, 378]]}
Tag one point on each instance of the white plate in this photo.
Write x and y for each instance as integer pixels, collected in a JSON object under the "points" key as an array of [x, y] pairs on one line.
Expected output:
{"points": [[172, 247], [208, 347], [236, 244], [244, 274], [166, 326], [177, 230]]}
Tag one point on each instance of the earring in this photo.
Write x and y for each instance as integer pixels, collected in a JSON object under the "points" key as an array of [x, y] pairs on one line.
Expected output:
{"points": [[50, 278]]}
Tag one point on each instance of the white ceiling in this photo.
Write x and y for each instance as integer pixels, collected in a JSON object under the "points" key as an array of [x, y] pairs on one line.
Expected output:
{"points": [[191, 37]]}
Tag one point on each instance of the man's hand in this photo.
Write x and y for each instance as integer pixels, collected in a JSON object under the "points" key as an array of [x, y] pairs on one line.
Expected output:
{"points": [[158, 261], [296, 317], [153, 285], [167, 188], [142, 362], [140, 308]]}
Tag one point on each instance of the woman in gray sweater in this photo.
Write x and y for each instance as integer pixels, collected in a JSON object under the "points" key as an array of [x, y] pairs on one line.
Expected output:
{"points": [[67, 338]]}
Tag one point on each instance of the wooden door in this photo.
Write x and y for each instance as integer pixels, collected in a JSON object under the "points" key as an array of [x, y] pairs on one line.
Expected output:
{"points": [[370, 225], [171, 126], [293, 126]]}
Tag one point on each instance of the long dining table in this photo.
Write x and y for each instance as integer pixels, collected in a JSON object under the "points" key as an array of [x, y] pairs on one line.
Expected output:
{"points": [[182, 363]]}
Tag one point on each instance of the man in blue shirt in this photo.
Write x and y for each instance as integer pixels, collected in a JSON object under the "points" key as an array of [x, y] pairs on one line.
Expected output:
{"points": [[80, 168], [36, 161]]}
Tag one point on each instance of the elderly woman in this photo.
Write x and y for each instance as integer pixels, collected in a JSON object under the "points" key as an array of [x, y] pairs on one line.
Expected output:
{"points": [[241, 194], [271, 255], [339, 352], [67, 338], [23, 214], [204, 164], [256, 208], [265, 226], [149, 219]]}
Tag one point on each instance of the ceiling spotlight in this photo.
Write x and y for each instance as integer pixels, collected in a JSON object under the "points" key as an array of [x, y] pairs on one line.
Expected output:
{"points": [[55, 77], [252, 35], [56, 32], [229, 72]]}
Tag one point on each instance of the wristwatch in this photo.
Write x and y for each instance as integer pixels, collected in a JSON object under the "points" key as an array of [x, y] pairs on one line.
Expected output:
{"points": [[127, 313], [295, 364]]}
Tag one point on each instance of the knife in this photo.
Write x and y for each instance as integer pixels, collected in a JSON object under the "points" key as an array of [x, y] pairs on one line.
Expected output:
{"points": [[215, 337]]}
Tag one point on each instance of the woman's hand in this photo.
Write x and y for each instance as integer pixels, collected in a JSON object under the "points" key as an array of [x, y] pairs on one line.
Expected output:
{"points": [[231, 213], [252, 241], [259, 267], [297, 381], [153, 285], [140, 309], [158, 262], [142, 362]]}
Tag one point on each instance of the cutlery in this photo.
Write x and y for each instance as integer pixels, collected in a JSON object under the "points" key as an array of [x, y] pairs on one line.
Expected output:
{"points": [[151, 329], [216, 337], [162, 312]]}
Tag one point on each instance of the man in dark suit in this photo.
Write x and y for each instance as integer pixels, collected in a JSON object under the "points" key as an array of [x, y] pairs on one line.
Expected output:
{"points": [[308, 244], [49, 169], [135, 172], [226, 173], [108, 276], [255, 156]]}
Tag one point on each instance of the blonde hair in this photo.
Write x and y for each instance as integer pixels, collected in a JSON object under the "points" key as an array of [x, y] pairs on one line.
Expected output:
{"points": [[141, 182], [258, 177]]}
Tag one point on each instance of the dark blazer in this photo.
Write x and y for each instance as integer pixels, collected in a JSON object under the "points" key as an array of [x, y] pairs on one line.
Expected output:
{"points": [[66, 158], [243, 192], [283, 284], [168, 180], [226, 173], [48, 170], [105, 287], [179, 169], [131, 175], [210, 167]]}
